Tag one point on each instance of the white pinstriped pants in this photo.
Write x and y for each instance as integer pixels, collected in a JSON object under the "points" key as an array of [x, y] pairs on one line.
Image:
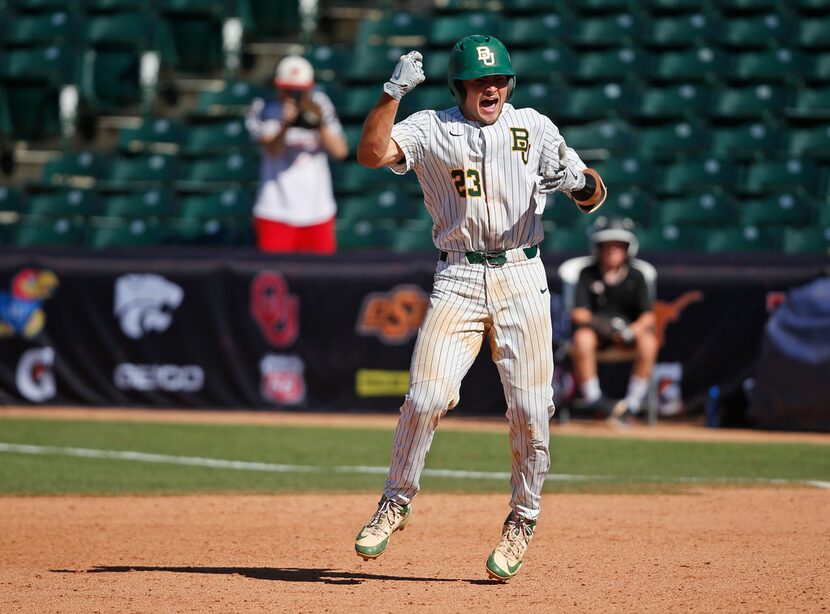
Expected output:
{"points": [[511, 304]]}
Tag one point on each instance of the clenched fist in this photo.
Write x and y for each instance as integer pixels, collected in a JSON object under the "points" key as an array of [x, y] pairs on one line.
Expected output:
{"points": [[409, 73], [567, 176]]}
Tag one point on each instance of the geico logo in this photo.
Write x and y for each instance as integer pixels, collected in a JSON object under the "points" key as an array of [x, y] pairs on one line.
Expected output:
{"points": [[172, 378]]}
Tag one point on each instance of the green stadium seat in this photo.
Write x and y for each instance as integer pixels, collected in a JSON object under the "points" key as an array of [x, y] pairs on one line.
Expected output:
{"points": [[390, 28], [740, 239], [702, 63], [79, 169], [229, 203], [791, 174], [668, 141], [61, 202], [329, 62], [788, 209], [755, 31], [31, 79], [156, 135], [676, 31], [581, 104], [104, 233], [811, 103], [568, 240], [546, 30], [520, 7], [781, 64], [806, 241], [809, 142], [358, 101], [233, 167], [209, 231], [111, 61], [375, 66], [353, 132], [812, 33], [375, 205], [436, 65], [606, 136], [11, 201], [413, 236], [445, 30], [41, 29], [560, 210], [628, 171], [818, 67], [190, 33], [266, 19], [435, 97], [40, 231], [746, 141], [623, 64], [214, 137], [750, 102], [753, 6], [669, 238], [604, 31], [634, 203], [673, 102], [351, 177], [711, 208], [142, 168], [670, 6], [543, 64], [152, 202], [232, 100], [364, 234], [603, 6], [91, 7], [700, 173], [537, 96]]}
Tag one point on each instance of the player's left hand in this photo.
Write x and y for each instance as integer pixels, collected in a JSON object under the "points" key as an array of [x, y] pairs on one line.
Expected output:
{"points": [[409, 74], [562, 177]]}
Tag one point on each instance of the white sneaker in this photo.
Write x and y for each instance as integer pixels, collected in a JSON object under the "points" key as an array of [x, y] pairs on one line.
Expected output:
{"points": [[506, 559], [374, 537]]}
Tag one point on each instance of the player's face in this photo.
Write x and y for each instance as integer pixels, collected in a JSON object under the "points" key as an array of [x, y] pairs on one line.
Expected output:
{"points": [[485, 98], [613, 253]]}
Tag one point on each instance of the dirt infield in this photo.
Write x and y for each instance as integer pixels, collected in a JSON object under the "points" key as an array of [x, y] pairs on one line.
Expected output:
{"points": [[707, 550]]}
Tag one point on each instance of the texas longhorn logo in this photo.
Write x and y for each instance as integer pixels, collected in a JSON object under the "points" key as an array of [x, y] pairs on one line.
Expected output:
{"points": [[275, 310], [666, 312], [486, 56], [393, 316]]}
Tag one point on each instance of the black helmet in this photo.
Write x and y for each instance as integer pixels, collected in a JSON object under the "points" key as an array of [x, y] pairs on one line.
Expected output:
{"points": [[614, 229]]}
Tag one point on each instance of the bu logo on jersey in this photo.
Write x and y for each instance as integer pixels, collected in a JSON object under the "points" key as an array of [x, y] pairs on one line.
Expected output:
{"points": [[521, 142], [393, 316], [275, 310], [487, 57]]}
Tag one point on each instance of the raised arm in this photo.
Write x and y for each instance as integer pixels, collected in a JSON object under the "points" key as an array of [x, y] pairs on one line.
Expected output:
{"points": [[376, 147]]}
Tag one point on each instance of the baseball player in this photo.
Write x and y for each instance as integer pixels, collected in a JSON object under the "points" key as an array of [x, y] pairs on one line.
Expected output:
{"points": [[485, 169]]}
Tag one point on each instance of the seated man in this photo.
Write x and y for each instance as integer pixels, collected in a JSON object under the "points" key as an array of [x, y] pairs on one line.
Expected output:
{"points": [[612, 307]]}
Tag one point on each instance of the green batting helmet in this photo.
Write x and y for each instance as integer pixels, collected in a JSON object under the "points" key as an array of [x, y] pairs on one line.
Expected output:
{"points": [[475, 56]]}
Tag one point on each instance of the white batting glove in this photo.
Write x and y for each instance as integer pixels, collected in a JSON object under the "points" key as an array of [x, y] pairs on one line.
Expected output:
{"points": [[409, 73], [566, 176]]}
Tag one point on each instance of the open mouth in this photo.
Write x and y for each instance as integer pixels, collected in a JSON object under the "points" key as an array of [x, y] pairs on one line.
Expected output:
{"points": [[489, 104]]}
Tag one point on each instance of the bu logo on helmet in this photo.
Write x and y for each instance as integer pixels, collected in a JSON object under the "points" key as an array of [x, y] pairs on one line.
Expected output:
{"points": [[487, 57]]}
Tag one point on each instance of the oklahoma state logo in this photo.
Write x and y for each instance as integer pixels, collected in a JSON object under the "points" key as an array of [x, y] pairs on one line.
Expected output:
{"points": [[275, 310], [393, 316]]}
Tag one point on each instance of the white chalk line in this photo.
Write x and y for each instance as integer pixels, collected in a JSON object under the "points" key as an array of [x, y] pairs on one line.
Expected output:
{"points": [[218, 463]]}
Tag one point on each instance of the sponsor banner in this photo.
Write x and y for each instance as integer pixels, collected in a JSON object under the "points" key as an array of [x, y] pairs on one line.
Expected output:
{"points": [[251, 331], [379, 383]]}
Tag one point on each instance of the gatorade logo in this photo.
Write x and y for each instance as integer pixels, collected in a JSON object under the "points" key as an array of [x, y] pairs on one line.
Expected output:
{"points": [[393, 316], [486, 56]]}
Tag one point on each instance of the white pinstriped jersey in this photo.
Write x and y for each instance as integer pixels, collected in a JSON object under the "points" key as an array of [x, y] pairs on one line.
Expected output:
{"points": [[481, 183]]}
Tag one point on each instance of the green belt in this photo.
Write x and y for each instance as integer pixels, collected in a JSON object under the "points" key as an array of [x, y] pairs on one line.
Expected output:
{"points": [[493, 258]]}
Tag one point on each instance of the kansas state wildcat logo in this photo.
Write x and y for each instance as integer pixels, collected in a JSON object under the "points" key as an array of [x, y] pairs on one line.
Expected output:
{"points": [[145, 304]]}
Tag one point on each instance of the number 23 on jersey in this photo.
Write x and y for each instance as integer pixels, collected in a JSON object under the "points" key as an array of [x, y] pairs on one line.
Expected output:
{"points": [[467, 183]]}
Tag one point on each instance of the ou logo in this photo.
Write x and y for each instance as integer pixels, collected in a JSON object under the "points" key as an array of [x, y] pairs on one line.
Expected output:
{"points": [[486, 56], [275, 310]]}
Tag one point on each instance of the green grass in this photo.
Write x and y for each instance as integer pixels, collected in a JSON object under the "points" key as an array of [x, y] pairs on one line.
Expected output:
{"points": [[606, 464]]}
